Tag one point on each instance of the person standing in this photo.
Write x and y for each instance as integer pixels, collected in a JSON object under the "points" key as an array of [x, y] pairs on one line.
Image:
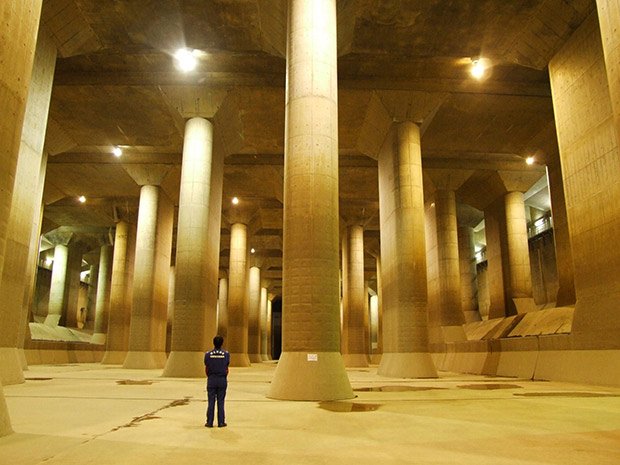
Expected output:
{"points": [[216, 369]]}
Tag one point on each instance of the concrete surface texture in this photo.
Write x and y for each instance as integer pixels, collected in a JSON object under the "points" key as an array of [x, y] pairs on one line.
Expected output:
{"points": [[75, 414]]}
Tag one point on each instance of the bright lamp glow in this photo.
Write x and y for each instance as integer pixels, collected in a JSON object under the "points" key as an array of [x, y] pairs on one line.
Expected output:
{"points": [[530, 160], [477, 69], [186, 59], [235, 201], [82, 199], [252, 250], [117, 151]]}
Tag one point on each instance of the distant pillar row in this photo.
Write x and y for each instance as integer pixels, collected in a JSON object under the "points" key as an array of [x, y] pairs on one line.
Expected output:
{"points": [[467, 266], [264, 319], [222, 305], [356, 351]]}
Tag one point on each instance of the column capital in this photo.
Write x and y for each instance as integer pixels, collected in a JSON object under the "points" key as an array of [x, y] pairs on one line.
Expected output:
{"points": [[147, 175]]}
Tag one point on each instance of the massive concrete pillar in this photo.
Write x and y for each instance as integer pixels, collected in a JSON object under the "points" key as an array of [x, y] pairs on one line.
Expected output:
{"points": [[264, 318], [355, 353], [561, 237], [253, 302], [493, 223], [91, 297], [519, 285], [467, 268], [25, 204], [147, 331], [379, 352], [58, 291], [190, 307], [117, 340], [72, 283], [311, 366], [237, 311], [587, 112], [450, 315], [222, 305], [403, 257], [102, 311], [20, 21], [269, 329]]}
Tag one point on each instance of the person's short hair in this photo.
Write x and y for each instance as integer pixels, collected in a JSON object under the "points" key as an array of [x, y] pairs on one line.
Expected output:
{"points": [[218, 341]]}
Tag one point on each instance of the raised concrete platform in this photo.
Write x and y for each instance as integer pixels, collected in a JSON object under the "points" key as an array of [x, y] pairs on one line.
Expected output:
{"points": [[88, 413]]}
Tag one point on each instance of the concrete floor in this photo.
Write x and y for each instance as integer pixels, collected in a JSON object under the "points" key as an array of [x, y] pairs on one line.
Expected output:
{"points": [[91, 414]]}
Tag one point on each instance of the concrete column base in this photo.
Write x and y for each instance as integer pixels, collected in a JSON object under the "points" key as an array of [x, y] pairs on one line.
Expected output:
{"points": [[407, 365], [453, 334], [525, 304], [10, 366], [52, 320], [355, 360], [21, 353], [323, 377], [114, 357], [255, 358], [472, 316], [265, 358], [5, 421], [185, 365], [375, 359], [145, 360], [98, 338], [239, 360]]}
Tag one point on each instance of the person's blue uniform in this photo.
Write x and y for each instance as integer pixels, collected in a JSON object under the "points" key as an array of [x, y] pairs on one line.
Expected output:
{"points": [[216, 368]]}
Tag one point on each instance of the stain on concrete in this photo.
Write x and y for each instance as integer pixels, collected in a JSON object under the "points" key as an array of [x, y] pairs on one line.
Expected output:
{"points": [[489, 386], [396, 388], [134, 382], [348, 406], [38, 379], [566, 394], [151, 415]]}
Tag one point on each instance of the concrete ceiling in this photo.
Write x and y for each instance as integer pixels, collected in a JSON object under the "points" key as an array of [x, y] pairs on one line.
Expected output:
{"points": [[116, 84]]}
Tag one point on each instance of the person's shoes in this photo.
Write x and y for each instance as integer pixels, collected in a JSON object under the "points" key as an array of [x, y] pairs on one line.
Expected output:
{"points": [[208, 425], [222, 425]]}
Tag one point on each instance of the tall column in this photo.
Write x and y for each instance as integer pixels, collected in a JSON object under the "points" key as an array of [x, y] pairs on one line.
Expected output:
{"points": [[91, 299], [117, 339], [269, 331], [450, 314], [467, 266], [25, 204], [380, 309], [587, 112], [237, 312], [222, 302], [102, 311], [264, 336], [57, 300], [20, 21], [253, 301], [403, 255], [519, 286], [311, 366], [356, 353], [190, 307], [147, 330], [72, 284], [561, 236]]}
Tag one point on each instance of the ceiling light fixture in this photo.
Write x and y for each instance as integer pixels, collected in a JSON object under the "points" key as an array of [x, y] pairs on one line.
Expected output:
{"points": [[117, 151], [530, 160], [186, 59], [81, 199], [477, 69], [252, 250], [235, 201]]}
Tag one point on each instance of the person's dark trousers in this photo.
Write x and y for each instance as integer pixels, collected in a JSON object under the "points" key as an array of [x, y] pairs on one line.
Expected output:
{"points": [[216, 390]]}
